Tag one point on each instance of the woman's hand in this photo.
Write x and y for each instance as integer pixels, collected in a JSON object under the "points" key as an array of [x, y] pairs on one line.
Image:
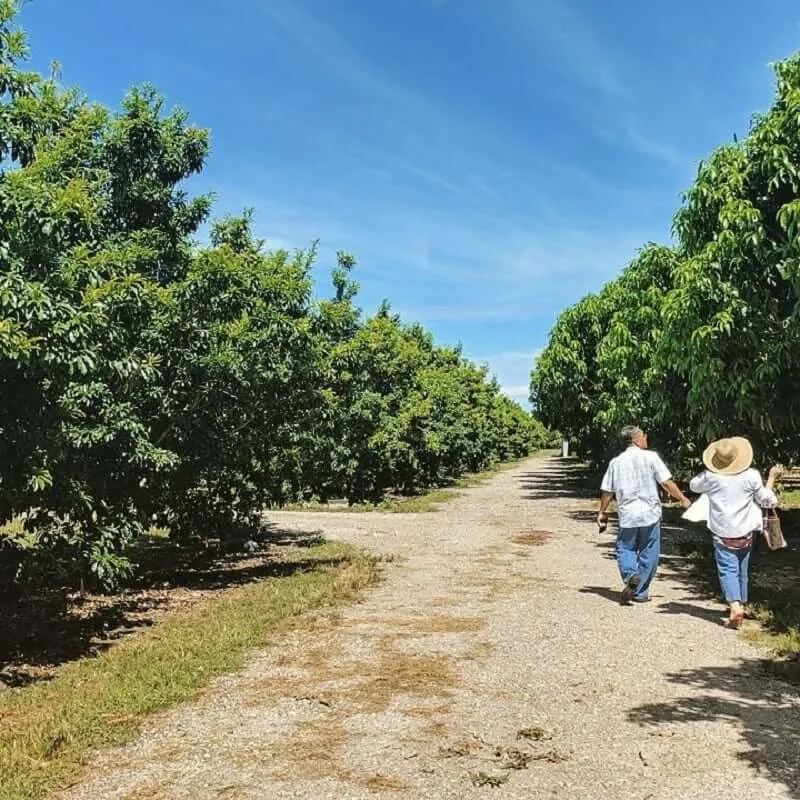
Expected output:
{"points": [[774, 474]]}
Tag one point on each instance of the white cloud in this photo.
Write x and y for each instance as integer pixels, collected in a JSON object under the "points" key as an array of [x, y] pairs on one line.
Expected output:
{"points": [[518, 393], [511, 357], [512, 370], [659, 150], [447, 266]]}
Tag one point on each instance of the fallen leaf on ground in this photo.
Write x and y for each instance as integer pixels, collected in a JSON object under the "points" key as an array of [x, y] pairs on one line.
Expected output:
{"points": [[484, 779], [534, 733]]}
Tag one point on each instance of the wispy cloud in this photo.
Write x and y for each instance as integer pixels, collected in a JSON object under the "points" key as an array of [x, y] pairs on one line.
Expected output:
{"points": [[453, 266], [457, 216], [439, 265], [475, 156], [604, 98], [511, 358], [659, 150], [568, 41]]}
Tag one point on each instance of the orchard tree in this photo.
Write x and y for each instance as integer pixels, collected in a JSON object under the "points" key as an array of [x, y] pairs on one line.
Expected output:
{"points": [[732, 326], [79, 297], [242, 373], [566, 382]]}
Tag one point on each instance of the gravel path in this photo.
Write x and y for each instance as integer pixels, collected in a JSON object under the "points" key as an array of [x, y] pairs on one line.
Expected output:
{"points": [[494, 653]]}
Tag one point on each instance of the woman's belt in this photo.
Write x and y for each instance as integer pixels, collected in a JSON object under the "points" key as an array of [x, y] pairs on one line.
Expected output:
{"points": [[736, 542]]}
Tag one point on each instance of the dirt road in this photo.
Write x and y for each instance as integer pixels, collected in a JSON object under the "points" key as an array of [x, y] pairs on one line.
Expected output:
{"points": [[493, 661]]}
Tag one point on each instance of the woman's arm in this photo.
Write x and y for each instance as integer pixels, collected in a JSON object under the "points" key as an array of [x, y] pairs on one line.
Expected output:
{"points": [[774, 473], [699, 484]]}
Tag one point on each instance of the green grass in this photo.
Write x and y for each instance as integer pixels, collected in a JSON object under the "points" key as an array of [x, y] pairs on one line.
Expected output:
{"points": [[779, 631], [790, 499], [775, 595], [48, 730], [774, 598], [425, 502]]}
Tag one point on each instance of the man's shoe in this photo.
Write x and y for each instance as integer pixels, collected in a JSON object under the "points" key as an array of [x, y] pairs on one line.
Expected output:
{"points": [[630, 585]]}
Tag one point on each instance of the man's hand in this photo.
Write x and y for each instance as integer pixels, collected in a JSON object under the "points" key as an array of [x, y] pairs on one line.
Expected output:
{"points": [[671, 488], [602, 513]]}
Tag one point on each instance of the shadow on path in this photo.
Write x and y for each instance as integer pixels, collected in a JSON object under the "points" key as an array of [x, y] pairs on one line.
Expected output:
{"points": [[765, 712], [47, 628], [717, 616], [602, 591], [559, 477]]}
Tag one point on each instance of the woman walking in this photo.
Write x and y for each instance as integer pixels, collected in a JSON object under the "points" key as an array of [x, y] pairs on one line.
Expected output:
{"points": [[736, 495]]}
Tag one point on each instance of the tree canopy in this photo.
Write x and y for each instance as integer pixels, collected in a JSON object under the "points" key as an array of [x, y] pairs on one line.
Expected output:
{"points": [[702, 339], [151, 377]]}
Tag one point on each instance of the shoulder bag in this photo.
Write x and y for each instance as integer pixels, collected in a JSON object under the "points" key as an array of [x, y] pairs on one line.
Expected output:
{"points": [[772, 530]]}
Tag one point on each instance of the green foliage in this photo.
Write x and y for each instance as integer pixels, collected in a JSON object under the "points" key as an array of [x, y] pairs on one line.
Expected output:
{"points": [[566, 381], [85, 243], [402, 414], [702, 340], [149, 379]]}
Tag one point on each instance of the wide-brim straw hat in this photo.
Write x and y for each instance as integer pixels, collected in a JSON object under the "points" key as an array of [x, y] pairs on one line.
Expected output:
{"points": [[728, 456]]}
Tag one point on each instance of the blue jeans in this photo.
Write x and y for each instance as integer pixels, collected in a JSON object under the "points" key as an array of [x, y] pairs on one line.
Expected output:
{"points": [[638, 550], [733, 568]]}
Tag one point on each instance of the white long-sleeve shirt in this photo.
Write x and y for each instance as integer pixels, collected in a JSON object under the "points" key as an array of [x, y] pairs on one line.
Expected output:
{"points": [[633, 477], [734, 501]]}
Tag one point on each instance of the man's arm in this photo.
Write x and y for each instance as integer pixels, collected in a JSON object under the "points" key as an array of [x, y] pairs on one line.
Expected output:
{"points": [[602, 514], [671, 488], [664, 479], [606, 496]]}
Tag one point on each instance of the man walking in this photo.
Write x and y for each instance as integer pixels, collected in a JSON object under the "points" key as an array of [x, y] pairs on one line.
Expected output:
{"points": [[633, 477]]}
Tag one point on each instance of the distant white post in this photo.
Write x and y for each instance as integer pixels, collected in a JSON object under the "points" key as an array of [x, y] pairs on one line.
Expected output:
{"points": [[564, 448]]}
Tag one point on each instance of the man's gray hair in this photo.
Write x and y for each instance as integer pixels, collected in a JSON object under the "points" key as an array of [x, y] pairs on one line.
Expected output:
{"points": [[629, 433]]}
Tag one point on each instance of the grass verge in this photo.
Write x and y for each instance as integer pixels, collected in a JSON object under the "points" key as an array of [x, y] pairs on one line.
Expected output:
{"points": [[774, 596], [419, 503], [775, 603], [790, 499], [48, 730]]}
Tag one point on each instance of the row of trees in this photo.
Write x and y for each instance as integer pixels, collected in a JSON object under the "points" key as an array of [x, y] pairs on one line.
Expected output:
{"points": [[701, 339], [148, 379]]}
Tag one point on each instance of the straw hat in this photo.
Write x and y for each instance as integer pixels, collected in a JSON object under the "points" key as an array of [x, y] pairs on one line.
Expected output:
{"points": [[728, 456]]}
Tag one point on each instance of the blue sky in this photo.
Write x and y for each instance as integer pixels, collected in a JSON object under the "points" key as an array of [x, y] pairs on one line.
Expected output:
{"points": [[489, 162]]}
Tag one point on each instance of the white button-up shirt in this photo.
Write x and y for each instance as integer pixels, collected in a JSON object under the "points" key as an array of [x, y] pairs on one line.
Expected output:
{"points": [[634, 477], [733, 501]]}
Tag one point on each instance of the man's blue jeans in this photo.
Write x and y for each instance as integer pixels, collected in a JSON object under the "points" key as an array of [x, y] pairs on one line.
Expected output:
{"points": [[638, 550], [733, 568]]}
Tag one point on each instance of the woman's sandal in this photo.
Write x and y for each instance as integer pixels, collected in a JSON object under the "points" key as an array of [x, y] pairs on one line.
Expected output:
{"points": [[735, 621]]}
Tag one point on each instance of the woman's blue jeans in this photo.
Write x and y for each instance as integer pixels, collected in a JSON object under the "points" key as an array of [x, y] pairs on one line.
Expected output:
{"points": [[733, 568]]}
